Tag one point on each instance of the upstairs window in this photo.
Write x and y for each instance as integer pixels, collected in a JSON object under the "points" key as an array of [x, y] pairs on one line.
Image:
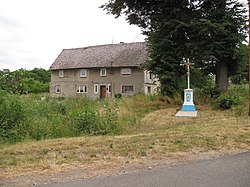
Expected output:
{"points": [[81, 89], [61, 73], [126, 71], [103, 72], [83, 73], [151, 75]]}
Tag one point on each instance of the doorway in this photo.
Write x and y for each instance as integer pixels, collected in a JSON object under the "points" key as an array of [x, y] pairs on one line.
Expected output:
{"points": [[103, 91]]}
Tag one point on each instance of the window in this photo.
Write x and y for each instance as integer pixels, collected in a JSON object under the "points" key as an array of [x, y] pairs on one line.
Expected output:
{"points": [[96, 88], [127, 88], [83, 73], [150, 75], [61, 73], [109, 88], [81, 89], [149, 89], [103, 72], [125, 71], [57, 89]]}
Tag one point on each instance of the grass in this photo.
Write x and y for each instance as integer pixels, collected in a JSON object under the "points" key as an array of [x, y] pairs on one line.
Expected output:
{"points": [[150, 131]]}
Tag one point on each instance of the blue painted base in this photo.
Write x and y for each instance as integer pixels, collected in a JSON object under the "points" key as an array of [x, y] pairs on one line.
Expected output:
{"points": [[188, 108]]}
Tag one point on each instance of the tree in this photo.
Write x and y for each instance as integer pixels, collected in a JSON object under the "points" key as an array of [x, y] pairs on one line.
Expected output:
{"points": [[206, 31], [228, 20], [24, 81], [241, 72]]}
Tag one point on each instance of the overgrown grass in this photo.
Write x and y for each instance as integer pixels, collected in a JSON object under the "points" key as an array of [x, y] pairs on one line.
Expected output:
{"points": [[25, 118], [135, 128], [35, 117]]}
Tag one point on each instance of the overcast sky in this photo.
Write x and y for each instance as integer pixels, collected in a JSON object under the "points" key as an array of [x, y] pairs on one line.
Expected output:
{"points": [[34, 32]]}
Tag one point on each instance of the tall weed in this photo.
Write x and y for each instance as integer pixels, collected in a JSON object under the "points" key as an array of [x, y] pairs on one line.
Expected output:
{"points": [[12, 117]]}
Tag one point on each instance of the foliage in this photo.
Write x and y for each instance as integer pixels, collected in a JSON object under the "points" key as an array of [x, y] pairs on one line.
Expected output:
{"points": [[31, 117], [12, 116], [241, 70], [208, 32], [39, 117], [24, 81], [236, 96]]}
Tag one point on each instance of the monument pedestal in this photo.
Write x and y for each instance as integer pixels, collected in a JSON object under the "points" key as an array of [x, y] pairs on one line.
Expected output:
{"points": [[188, 108]]}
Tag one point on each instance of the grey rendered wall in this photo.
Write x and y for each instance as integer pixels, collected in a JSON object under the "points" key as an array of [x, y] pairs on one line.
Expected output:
{"points": [[114, 78]]}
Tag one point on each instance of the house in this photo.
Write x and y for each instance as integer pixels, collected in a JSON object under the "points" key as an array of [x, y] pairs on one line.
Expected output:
{"points": [[102, 71]]}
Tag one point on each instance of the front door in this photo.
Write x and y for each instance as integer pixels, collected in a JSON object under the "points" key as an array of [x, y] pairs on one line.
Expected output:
{"points": [[103, 90]]}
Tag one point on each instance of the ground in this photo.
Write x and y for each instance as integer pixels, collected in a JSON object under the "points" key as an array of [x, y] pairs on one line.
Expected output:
{"points": [[159, 139]]}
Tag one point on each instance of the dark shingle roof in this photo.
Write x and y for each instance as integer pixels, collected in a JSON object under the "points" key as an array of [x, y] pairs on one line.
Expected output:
{"points": [[121, 55]]}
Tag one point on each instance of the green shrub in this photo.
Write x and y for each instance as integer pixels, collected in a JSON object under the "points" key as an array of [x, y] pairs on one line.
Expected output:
{"points": [[12, 117], [86, 120], [118, 95], [227, 101], [236, 96], [92, 120]]}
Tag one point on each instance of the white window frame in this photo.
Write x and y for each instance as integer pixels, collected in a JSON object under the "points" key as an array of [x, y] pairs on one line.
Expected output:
{"points": [[123, 85], [103, 72], [81, 88], [151, 76], [57, 89], [126, 71], [109, 88], [96, 88], [61, 73], [83, 73]]}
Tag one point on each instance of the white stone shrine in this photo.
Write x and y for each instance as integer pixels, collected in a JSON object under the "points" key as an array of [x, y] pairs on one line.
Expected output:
{"points": [[188, 108]]}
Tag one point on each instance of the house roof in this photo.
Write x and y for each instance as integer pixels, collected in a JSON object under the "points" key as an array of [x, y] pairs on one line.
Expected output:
{"points": [[117, 55]]}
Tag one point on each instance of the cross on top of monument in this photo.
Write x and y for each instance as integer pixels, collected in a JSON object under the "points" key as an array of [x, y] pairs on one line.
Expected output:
{"points": [[187, 63]]}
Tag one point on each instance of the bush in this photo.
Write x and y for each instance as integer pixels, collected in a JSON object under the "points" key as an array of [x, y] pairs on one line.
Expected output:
{"points": [[86, 120], [12, 117], [227, 101], [89, 120], [236, 96]]}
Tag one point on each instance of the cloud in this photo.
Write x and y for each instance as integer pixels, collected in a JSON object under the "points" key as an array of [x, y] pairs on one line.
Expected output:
{"points": [[33, 33], [7, 22]]}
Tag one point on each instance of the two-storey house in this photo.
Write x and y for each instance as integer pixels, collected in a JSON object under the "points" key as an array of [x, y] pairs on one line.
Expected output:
{"points": [[102, 72]]}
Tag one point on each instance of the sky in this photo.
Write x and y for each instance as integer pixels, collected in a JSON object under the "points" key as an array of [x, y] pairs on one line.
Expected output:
{"points": [[34, 32]]}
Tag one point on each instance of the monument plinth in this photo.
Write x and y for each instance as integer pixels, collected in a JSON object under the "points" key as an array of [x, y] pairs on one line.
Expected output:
{"points": [[188, 104]]}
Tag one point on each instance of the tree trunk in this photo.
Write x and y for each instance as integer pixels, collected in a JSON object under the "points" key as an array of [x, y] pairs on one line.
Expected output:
{"points": [[222, 76], [249, 58]]}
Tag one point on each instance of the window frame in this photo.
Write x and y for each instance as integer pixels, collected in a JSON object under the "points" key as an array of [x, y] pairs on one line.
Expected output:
{"points": [[128, 71], [96, 88], [124, 91], [109, 88], [151, 75], [101, 72], [84, 88], [61, 73], [83, 75], [57, 89]]}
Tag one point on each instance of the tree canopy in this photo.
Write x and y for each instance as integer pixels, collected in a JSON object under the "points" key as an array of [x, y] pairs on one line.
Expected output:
{"points": [[208, 32], [24, 81]]}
